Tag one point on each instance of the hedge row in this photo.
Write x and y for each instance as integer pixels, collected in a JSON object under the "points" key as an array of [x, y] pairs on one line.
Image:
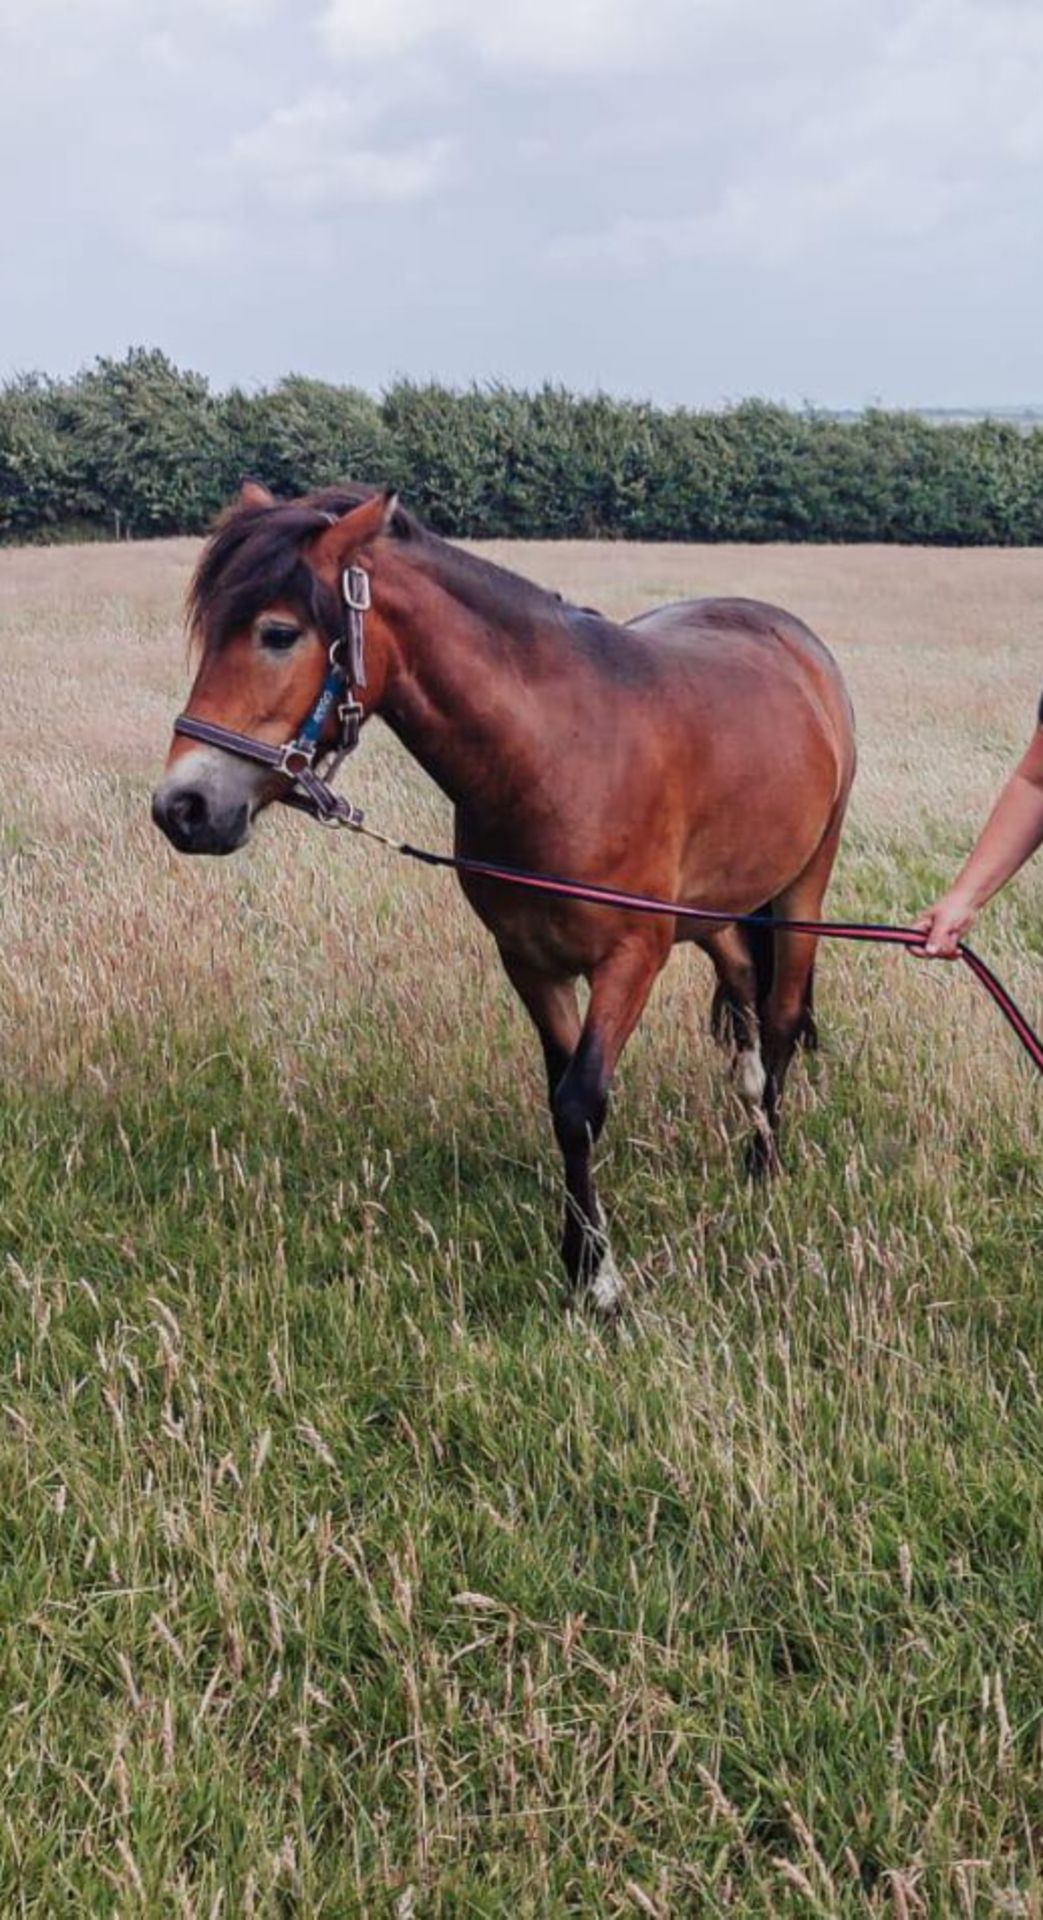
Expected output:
{"points": [[136, 447]]}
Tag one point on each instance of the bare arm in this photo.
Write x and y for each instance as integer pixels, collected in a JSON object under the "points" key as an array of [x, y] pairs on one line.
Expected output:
{"points": [[1013, 831]]}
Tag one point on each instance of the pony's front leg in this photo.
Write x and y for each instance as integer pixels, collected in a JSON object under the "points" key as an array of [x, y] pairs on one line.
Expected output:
{"points": [[554, 1011], [619, 988]]}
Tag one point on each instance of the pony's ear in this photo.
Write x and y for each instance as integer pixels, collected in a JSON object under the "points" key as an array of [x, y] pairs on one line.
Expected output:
{"points": [[354, 529], [253, 494]]}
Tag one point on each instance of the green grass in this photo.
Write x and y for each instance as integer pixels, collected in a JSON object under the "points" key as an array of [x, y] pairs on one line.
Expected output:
{"points": [[348, 1575]]}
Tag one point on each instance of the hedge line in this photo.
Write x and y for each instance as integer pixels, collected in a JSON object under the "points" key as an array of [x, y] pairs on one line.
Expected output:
{"points": [[138, 447]]}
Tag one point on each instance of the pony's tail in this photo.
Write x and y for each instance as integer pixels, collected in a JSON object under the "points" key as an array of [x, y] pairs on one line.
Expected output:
{"points": [[762, 950]]}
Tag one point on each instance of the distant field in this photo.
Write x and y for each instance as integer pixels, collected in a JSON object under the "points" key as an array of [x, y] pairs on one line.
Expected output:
{"points": [[343, 1573]]}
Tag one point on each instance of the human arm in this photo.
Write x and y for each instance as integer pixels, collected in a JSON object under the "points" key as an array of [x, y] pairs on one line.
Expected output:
{"points": [[1013, 831]]}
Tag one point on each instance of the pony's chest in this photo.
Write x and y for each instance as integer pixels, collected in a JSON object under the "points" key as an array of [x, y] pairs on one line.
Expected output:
{"points": [[554, 937]]}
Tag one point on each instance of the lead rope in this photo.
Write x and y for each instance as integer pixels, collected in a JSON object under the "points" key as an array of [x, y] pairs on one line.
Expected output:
{"points": [[877, 933]]}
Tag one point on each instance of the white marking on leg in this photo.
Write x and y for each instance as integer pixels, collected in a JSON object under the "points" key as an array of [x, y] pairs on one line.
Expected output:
{"points": [[750, 1077], [606, 1288], [751, 1081]]}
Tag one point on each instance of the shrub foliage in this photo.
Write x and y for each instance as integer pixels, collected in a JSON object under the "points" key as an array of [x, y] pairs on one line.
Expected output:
{"points": [[137, 447]]}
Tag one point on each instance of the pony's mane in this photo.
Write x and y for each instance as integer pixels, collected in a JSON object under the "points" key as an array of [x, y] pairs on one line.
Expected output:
{"points": [[254, 558]]}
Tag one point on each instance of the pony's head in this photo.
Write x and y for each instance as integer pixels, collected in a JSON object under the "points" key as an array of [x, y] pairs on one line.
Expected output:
{"points": [[264, 610]]}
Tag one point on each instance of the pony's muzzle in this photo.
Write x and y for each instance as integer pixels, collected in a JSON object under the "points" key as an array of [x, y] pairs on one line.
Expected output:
{"points": [[206, 801], [195, 822]]}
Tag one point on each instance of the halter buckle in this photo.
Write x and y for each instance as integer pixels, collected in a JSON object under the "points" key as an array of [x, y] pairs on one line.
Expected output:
{"points": [[354, 585], [350, 714]]}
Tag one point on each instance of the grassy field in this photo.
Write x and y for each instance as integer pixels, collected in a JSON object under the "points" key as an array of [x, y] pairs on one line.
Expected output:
{"points": [[342, 1573]]}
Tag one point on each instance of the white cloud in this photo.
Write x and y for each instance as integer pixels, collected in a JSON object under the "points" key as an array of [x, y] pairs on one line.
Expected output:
{"points": [[771, 223], [175, 240], [162, 49], [892, 145], [319, 152], [569, 37], [53, 47], [247, 10], [871, 168]]}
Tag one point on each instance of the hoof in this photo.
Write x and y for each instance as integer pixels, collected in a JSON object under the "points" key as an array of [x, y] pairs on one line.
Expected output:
{"points": [[763, 1161], [605, 1290], [595, 1282]]}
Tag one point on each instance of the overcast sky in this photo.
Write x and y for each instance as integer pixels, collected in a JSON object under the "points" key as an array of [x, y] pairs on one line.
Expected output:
{"points": [[690, 200]]}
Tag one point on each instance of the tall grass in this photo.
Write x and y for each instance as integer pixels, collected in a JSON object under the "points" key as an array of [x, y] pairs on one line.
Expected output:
{"points": [[343, 1572]]}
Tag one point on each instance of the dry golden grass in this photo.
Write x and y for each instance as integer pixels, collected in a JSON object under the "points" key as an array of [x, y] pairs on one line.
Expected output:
{"points": [[343, 1574]]}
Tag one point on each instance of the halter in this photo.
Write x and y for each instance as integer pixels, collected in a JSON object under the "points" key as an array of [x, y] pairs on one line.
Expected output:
{"points": [[311, 791]]}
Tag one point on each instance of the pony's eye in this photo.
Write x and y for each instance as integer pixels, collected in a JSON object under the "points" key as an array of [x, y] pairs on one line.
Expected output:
{"points": [[278, 636]]}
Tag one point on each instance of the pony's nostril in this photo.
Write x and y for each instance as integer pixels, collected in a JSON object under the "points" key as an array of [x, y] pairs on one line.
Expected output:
{"points": [[181, 815], [196, 821], [188, 810]]}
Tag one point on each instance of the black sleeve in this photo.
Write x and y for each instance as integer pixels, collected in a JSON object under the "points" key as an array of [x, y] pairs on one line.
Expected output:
{"points": [[1041, 710]]}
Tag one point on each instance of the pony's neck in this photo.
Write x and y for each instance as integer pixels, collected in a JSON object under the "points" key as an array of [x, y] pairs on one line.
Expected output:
{"points": [[461, 692]]}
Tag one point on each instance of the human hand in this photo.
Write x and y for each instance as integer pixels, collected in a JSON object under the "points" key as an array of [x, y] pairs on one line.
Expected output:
{"points": [[943, 926]]}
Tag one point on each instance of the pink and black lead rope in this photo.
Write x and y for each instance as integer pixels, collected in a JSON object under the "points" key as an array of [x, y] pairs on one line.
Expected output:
{"points": [[877, 933]]}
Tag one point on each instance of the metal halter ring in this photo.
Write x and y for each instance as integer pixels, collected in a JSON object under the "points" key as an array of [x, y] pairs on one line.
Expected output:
{"points": [[291, 752]]}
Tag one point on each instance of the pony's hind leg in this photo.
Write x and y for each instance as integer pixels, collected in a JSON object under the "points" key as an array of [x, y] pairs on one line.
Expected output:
{"points": [[735, 1016], [787, 1015], [808, 1035]]}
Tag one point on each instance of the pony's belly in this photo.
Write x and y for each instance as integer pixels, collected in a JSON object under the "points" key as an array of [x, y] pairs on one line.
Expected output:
{"points": [[742, 885]]}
